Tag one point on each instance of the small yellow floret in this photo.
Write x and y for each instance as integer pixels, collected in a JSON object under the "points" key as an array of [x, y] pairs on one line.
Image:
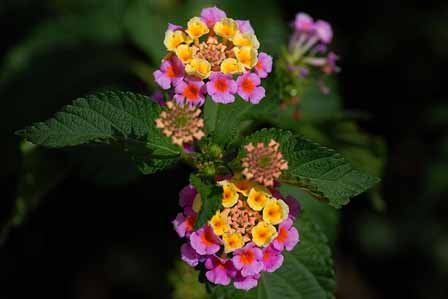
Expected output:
{"points": [[196, 28], [229, 195], [247, 56], [275, 211], [257, 199], [185, 53], [231, 66], [247, 39], [263, 233], [199, 67], [219, 224], [175, 38], [232, 242], [226, 28]]}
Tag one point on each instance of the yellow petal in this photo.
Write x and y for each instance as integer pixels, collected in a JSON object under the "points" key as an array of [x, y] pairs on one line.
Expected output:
{"points": [[175, 38], [242, 186], [226, 28], [219, 224], [185, 53], [263, 233], [196, 28], [257, 199], [231, 66], [247, 39], [275, 211], [247, 56], [229, 195], [232, 242], [199, 67]]}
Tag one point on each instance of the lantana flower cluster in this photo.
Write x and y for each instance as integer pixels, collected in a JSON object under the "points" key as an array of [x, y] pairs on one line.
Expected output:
{"points": [[244, 238], [213, 55], [308, 48]]}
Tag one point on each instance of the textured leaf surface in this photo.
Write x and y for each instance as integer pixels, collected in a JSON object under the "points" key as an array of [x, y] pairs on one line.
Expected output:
{"points": [[307, 271], [211, 200], [319, 170], [123, 119]]}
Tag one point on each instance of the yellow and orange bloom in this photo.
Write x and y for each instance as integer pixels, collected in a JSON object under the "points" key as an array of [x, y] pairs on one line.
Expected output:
{"points": [[196, 28], [185, 53], [229, 195], [232, 241], [247, 39], [257, 199], [175, 38], [231, 66], [219, 224], [198, 67], [263, 233], [226, 28], [275, 211], [247, 56]]}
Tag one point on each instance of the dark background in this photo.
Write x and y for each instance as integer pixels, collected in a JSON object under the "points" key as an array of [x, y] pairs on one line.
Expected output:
{"points": [[90, 240]]}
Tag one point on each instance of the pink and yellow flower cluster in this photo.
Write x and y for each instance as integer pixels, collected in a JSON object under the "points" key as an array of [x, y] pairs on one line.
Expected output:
{"points": [[244, 238], [308, 48], [213, 55]]}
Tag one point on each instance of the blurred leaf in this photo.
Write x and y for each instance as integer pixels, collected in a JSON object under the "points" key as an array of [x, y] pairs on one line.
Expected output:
{"points": [[307, 271], [42, 170], [185, 283], [321, 171], [100, 27]]}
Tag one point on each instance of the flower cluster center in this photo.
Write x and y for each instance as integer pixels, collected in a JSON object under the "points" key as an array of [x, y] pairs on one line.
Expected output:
{"points": [[241, 219]]}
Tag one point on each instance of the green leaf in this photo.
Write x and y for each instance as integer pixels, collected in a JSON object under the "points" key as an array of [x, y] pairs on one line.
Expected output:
{"points": [[211, 196], [321, 171], [118, 118], [307, 271], [225, 123]]}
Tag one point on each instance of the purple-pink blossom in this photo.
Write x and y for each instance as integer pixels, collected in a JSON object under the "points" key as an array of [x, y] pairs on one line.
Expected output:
{"points": [[221, 88], [249, 89], [244, 26], [272, 259], [189, 255], [220, 271], [187, 195], [211, 15], [323, 31], [204, 241], [303, 22], [171, 72], [174, 27], [288, 236], [264, 65], [191, 92], [183, 224], [248, 259], [245, 282]]}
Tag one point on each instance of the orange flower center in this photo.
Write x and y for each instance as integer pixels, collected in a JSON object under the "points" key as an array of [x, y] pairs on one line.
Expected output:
{"points": [[258, 66], [221, 85], [282, 235], [207, 238], [266, 256], [248, 86], [191, 92], [247, 257], [190, 223], [170, 72]]}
